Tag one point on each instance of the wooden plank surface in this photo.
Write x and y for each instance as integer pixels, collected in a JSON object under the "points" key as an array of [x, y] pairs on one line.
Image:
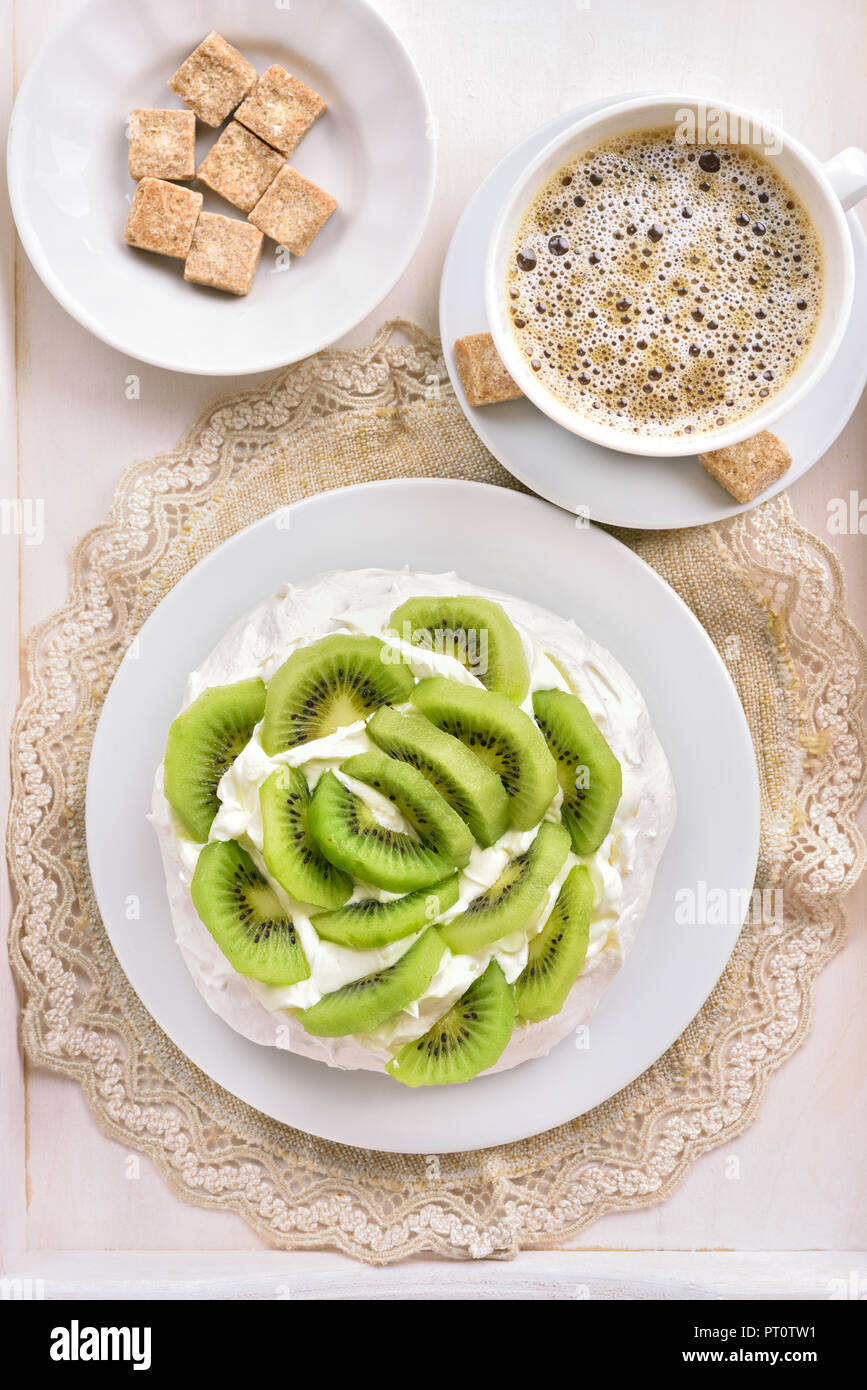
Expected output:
{"points": [[567, 1275]]}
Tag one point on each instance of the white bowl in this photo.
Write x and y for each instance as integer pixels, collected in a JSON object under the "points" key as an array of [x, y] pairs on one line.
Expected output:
{"points": [[825, 192], [70, 187]]}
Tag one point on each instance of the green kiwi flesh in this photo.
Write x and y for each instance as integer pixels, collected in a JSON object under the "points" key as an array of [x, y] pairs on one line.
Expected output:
{"points": [[245, 917], [368, 922], [588, 771], [475, 631], [350, 837], [556, 956], [203, 742], [291, 854], [469, 1039], [501, 735], [331, 683], [514, 897], [469, 786], [365, 1004], [432, 818]]}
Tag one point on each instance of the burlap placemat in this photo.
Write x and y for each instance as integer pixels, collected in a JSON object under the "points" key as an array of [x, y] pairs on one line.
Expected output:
{"points": [[771, 597]]}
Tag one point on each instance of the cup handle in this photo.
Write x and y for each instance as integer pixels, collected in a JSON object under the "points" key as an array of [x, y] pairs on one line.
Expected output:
{"points": [[847, 174]]}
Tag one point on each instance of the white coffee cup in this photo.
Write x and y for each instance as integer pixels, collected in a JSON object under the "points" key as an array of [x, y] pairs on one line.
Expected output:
{"points": [[826, 191]]}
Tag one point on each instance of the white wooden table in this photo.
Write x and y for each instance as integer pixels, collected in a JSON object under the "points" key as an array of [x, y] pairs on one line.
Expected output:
{"points": [[797, 1217]]}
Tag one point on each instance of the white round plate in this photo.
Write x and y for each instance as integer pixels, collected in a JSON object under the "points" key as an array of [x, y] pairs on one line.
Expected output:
{"points": [[522, 546], [70, 186], [588, 479]]}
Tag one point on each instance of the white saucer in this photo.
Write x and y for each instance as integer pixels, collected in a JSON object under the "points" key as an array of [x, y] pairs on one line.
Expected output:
{"points": [[522, 546], [614, 488], [70, 187]]}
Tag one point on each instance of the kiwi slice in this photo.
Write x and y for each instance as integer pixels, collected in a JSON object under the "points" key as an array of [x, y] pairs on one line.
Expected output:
{"points": [[501, 735], [328, 684], [291, 854], [467, 784], [588, 771], [556, 955], [366, 1003], [475, 631], [350, 836], [369, 922], [512, 899], [468, 1039], [203, 742], [433, 820], [245, 917]]}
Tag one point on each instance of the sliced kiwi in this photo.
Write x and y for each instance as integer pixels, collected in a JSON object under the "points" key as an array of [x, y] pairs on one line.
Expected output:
{"points": [[556, 955], [468, 1039], [475, 631], [291, 854], [469, 786], [350, 836], [366, 1003], [369, 922], [328, 684], [588, 771], [501, 735], [245, 917], [512, 899], [433, 820], [203, 742]]}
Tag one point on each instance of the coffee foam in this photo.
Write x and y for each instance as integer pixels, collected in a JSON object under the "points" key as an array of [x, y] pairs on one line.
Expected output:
{"points": [[649, 305]]}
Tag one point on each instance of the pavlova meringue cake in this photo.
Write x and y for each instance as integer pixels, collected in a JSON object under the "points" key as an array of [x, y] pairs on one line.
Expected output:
{"points": [[409, 823]]}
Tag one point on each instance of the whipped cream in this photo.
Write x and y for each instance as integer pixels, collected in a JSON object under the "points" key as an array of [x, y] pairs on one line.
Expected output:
{"points": [[360, 601]]}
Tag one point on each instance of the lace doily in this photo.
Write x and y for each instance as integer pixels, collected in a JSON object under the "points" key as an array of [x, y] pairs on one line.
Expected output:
{"points": [[771, 597]]}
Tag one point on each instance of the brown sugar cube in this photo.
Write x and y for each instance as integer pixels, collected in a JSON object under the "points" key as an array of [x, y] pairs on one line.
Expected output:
{"points": [[162, 218], [162, 144], [280, 109], [746, 469], [485, 379], [214, 79], [240, 167], [224, 254], [292, 210]]}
